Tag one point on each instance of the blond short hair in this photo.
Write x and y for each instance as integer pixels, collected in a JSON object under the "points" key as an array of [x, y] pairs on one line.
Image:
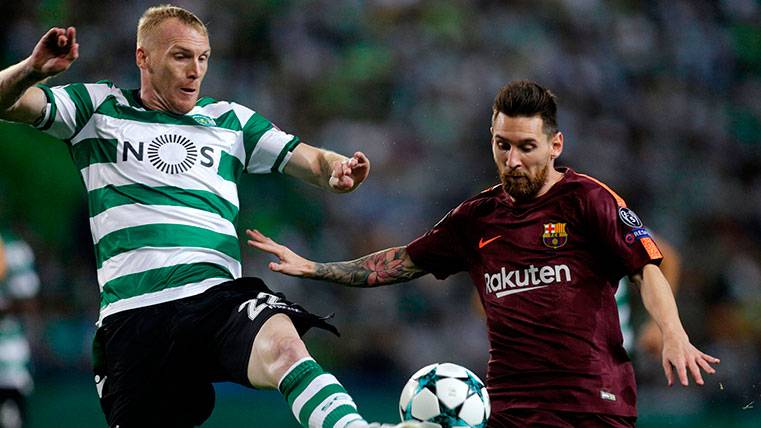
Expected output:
{"points": [[155, 15]]}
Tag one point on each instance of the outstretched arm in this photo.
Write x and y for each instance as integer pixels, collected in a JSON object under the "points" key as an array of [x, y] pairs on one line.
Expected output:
{"points": [[20, 101], [327, 169], [650, 339], [384, 267], [678, 353]]}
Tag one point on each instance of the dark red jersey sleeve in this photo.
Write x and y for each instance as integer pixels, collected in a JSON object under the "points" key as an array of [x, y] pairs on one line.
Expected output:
{"points": [[441, 251], [620, 230]]}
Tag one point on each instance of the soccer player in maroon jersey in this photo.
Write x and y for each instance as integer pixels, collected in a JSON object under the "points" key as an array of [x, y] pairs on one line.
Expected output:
{"points": [[545, 249]]}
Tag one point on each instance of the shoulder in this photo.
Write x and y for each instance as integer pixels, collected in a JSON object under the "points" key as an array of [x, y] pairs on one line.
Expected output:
{"points": [[592, 188], [485, 201], [215, 108], [99, 89]]}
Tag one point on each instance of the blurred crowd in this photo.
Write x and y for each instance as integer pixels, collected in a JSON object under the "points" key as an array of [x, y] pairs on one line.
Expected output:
{"points": [[660, 99]]}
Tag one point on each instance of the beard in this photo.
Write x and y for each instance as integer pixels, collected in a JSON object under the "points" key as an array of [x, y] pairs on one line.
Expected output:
{"points": [[523, 187]]}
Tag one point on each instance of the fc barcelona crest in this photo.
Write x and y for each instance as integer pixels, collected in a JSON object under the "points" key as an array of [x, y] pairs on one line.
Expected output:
{"points": [[554, 235]]}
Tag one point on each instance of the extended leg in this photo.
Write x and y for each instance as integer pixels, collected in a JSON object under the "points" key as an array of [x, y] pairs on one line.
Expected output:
{"points": [[279, 359]]}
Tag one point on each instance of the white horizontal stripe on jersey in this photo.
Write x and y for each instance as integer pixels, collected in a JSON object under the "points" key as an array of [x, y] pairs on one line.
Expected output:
{"points": [[161, 296], [100, 175], [148, 258], [267, 150], [124, 216], [103, 126]]}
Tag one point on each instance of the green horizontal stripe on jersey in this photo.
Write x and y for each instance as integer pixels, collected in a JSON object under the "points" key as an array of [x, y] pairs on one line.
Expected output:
{"points": [[230, 167], [94, 150], [161, 236], [152, 280], [253, 130], [111, 196], [287, 148], [83, 103], [111, 107]]}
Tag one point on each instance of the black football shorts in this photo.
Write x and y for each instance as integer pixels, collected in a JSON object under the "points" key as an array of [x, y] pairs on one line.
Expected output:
{"points": [[154, 366]]}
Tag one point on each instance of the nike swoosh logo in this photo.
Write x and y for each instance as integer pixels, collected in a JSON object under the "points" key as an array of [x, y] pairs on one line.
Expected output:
{"points": [[482, 243], [519, 290]]}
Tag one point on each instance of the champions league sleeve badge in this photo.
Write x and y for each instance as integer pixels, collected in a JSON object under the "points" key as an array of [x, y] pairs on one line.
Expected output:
{"points": [[629, 218], [554, 235]]}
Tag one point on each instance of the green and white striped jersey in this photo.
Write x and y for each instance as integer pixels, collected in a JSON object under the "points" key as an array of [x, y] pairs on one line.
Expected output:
{"points": [[21, 282], [162, 188]]}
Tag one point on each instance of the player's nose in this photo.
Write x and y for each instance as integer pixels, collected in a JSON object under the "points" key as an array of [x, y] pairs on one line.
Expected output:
{"points": [[194, 69], [513, 159]]}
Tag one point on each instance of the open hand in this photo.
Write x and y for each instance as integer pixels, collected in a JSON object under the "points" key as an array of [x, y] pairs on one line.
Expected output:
{"points": [[349, 174], [289, 263], [55, 52], [680, 354]]}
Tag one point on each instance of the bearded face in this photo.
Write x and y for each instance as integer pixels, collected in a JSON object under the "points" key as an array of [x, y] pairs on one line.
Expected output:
{"points": [[524, 185], [524, 154]]}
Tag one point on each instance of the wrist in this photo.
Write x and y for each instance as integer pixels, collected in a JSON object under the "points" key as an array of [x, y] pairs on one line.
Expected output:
{"points": [[31, 74], [673, 332], [311, 270]]}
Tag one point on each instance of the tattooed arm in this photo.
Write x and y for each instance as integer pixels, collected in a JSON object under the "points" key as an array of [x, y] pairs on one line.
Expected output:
{"points": [[385, 267]]}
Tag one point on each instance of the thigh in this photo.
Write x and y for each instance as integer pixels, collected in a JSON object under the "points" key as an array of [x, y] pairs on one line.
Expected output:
{"points": [[142, 374]]}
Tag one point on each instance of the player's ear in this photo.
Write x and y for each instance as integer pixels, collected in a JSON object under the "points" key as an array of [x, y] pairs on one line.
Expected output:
{"points": [[556, 145], [141, 58]]}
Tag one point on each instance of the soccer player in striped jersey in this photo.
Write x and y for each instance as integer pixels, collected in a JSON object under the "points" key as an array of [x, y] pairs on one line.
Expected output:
{"points": [[161, 166], [545, 251], [19, 284]]}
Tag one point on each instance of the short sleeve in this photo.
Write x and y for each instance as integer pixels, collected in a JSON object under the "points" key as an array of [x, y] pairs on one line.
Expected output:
{"points": [[440, 251], [621, 231], [70, 107], [268, 149]]}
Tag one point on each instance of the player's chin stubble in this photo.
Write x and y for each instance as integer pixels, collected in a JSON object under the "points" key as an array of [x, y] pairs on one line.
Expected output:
{"points": [[523, 187]]}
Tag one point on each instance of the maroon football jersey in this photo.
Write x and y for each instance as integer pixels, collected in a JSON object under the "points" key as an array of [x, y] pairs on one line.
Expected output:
{"points": [[546, 271]]}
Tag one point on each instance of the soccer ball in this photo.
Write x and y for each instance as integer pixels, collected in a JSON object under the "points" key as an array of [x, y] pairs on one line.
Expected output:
{"points": [[445, 395]]}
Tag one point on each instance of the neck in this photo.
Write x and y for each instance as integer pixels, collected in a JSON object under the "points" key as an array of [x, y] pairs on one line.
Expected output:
{"points": [[552, 177], [151, 100]]}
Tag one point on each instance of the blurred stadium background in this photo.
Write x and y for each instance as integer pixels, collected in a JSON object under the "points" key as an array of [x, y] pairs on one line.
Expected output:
{"points": [[661, 99]]}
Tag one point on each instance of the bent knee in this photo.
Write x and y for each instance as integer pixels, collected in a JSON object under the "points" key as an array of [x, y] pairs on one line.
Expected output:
{"points": [[275, 351], [285, 353]]}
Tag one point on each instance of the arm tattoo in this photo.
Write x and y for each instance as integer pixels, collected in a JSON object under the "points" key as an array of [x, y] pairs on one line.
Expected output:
{"points": [[382, 268]]}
